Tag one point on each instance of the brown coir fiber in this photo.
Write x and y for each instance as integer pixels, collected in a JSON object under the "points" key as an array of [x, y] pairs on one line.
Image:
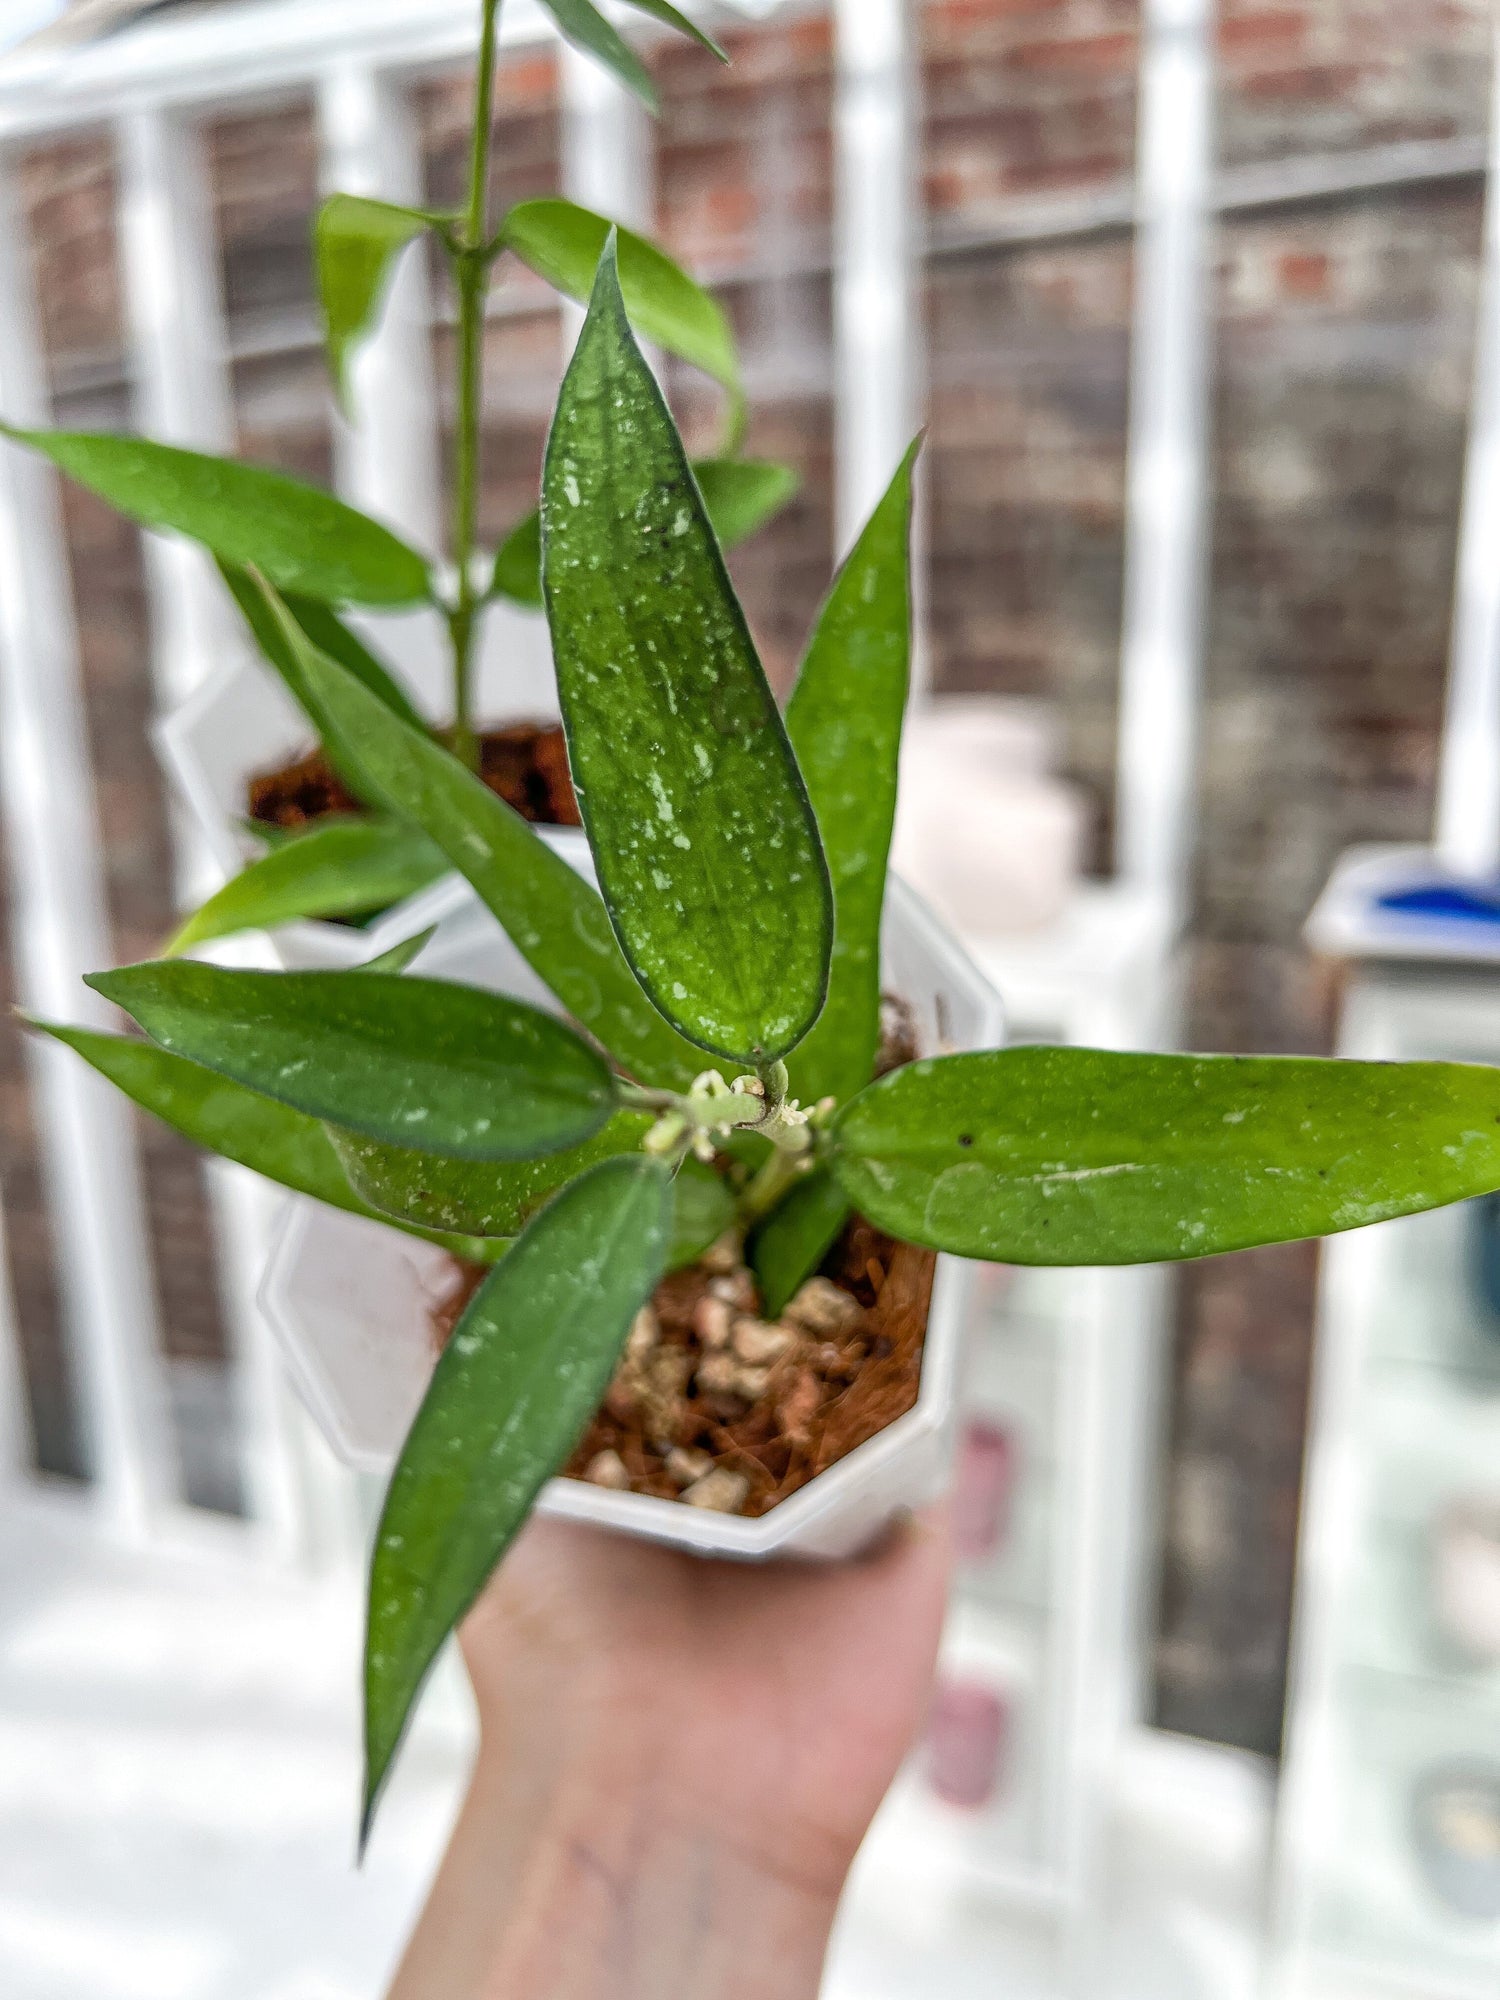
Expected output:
{"points": [[834, 1385], [526, 764]]}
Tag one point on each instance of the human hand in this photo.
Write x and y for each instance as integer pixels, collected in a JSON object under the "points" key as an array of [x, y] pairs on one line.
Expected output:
{"points": [[678, 1761]]}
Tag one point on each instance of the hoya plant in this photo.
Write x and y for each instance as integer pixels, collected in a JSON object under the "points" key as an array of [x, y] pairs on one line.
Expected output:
{"points": [[712, 1059], [709, 1070], [324, 557]]}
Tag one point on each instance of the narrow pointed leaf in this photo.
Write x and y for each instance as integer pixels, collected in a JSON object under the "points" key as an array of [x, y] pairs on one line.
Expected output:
{"points": [[474, 1197], [518, 564], [553, 917], [741, 495], [280, 1144], [278, 630], [464, 1071], [332, 636], [795, 1238], [673, 17], [581, 23], [706, 846], [400, 956], [345, 867], [844, 719], [1087, 1156], [356, 243], [563, 243], [300, 537], [524, 1371], [498, 1198]]}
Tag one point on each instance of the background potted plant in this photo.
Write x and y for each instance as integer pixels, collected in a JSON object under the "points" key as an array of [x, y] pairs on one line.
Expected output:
{"points": [[263, 768]]}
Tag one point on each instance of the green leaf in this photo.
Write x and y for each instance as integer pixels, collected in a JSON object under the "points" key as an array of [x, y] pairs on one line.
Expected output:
{"points": [[705, 842], [301, 538], [662, 10], [581, 23], [795, 1238], [280, 1144], [844, 719], [1087, 1156], [276, 627], [467, 1072], [741, 495], [554, 918], [524, 1371], [474, 1197], [518, 564], [332, 636], [356, 243], [704, 1208], [563, 243], [342, 867], [496, 1199], [400, 956]]}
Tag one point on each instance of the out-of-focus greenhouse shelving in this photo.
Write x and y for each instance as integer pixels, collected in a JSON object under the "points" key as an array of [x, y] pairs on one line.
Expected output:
{"points": [[1389, 1836]]}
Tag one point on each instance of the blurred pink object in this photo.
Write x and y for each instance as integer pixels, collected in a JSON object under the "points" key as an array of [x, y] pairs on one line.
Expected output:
{"points": [[1466, 1578], [984, 1485], [966, 1739]]}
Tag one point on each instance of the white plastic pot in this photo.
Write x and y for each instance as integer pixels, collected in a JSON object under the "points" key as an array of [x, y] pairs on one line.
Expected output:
{"points": [[351, 1301], [981, 764], [242, 722]]}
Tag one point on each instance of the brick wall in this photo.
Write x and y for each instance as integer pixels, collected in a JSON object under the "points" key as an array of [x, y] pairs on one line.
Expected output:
{"points": [[1343, 329]]}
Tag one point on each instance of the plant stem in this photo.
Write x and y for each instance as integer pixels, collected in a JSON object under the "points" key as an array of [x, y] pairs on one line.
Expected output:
{"points": [[772, 1181], [471, 272]]}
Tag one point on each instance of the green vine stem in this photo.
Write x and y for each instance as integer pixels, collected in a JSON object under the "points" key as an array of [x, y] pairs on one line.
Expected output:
{"points": [[472, 257]]}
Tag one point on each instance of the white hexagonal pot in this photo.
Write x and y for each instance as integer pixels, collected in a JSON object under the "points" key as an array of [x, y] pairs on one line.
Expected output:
{"points": [[351, 1301], [242, 722]]}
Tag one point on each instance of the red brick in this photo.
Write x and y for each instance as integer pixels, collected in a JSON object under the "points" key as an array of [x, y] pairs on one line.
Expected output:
{"points": [[1279, 30], [1303, 274]]}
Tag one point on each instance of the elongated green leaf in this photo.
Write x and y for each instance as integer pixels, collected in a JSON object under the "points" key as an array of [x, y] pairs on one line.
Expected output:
{"points": [[474, 1197], [518, 564], [554, 918], [356, 243], [581, 23], [741, 495], [795, 1238], [282, 1145], [464, 1071], [706, 846], [673, 17], [844, 719], [343, 867], [520, 1378], [1087, 1156], [322, 628], [332, 636], [563, 243], [495, 1198], [301, 538], [400, 956]]}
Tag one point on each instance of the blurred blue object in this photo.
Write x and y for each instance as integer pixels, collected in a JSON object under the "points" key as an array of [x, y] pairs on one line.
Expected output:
{"points": [[1445, 899]]}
